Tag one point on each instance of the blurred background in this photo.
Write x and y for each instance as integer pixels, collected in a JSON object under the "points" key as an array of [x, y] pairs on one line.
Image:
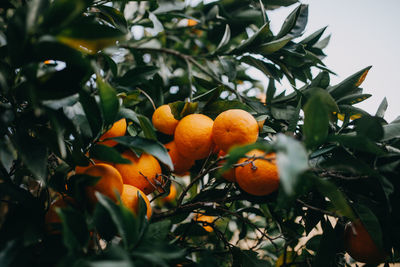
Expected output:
{"points": [[363, 33]]}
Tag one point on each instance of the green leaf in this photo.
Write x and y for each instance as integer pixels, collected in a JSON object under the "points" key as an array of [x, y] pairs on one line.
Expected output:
{"points": [[247, 258], [295, 119], [360, 143], [7, 154], [369, 127], [391, 131], [158, 231], [353, 99], [113, 16], [370, 222], [108, 154], [348, 84], [322, 80], [33, 154], [127, 225], [108, 100], [292, 161], [92, 111], [89, 36], [336, 197], [295, 23], [181, 109], [74, 229], [382, 108], [273, 46], [137, 75], [147, 127], [225, 39], [35, 9], [152, 147], [313, 38], [62, 12], [216, 107], [316, 117], [267, 68], [257, 38]]}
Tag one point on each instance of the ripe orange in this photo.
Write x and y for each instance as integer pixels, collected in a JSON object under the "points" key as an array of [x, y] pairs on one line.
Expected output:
{"points": [[51, 217], [110, 181], [181, 163], [143, 172], [228, 175], [163, 120], [82, 169], [206, 219], [130, 199], [193, 136], [359, 244], [118, 129], [172, 194], [258, 177], [234, 127]]}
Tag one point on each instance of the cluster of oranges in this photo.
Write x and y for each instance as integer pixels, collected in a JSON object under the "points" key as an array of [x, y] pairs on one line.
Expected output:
{"points": [[197, 136]]}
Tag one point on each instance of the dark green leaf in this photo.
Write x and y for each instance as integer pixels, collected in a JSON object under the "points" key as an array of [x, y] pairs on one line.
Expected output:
{"points": [[313, 38], [149, 146], [33, 153], [360, 143], [338, 200], [137, 75], [273, 46], [257, 38], [147, 127], [316, 117], [391, 131], [108, 100], [292, 161], [74, 229], [124, 220], [92, 111], [295, 23], [114, 16], [348, 84], [382, 108], [62, 12], [369, 127], [108, 154]]}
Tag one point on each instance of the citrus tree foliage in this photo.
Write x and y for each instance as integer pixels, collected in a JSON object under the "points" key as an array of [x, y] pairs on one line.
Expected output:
{"points": [[70, 69]]}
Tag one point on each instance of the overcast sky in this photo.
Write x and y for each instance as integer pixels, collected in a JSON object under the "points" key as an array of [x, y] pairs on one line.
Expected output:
{"points": [[364, 32]]}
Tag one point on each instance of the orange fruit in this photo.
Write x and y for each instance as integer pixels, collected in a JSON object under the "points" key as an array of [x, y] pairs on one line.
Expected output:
{"points": [[172, 194], [193, 136], [258, 177], [118, 129], [51, 217], [110, 181], [234, 127], [82, 169], [191, 22], [163, 120], [142, 172], [228, 175], [359, 244], [130, 199], [207, 219], [181, 163]]}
